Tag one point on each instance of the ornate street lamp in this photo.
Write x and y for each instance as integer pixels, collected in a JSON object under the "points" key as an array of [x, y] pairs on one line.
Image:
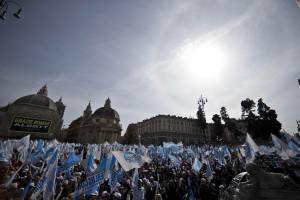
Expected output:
{"points": [[202, 101], [4, 4]]}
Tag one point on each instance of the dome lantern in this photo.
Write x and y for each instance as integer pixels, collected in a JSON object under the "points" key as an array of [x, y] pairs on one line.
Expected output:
{"points": [[107, 103], [43, 91]]}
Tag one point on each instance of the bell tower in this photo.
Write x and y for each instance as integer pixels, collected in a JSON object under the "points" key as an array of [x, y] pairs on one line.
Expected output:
{"points": [[60, 107], [88, 111]]}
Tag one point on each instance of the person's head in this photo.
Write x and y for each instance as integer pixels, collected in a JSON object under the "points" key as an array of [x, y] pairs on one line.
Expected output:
{"points": [[140, 183], [117, 196], [158, 197], [105, 195], [203, 181]]}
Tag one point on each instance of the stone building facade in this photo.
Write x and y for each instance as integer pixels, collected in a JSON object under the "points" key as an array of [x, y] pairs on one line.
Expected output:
{"points": [[168, 128], [34, 114], [101, 126]]}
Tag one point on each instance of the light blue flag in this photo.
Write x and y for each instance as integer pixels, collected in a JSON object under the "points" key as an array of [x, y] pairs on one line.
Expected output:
{"points": [[293, 146], [227, 152], [282, 148], [41, 183], [38, 152], [92, 189], [278, 143], [113, 162], [90, 164], [197, 165], [117, 176], [250, 149], [175, 162], [40, 145], [208, 172], [137, 195], [249, 154], [220, 156], [49, 188], [71, 160], [22, 146], [49, 153]]}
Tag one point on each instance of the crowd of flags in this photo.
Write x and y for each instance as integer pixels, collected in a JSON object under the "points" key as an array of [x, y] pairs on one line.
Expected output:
{"points": [[116, 159]]}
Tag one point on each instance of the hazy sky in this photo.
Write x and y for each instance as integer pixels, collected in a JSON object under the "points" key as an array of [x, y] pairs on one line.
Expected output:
{"points": [[155, 57]]}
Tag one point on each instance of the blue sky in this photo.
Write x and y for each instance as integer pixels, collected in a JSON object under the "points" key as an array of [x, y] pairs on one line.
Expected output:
{"points": [[155, 57]]}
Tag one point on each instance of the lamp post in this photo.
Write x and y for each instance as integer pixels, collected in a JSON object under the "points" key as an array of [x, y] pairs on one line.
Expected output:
{"points": [[202, 101], [4, 5]]}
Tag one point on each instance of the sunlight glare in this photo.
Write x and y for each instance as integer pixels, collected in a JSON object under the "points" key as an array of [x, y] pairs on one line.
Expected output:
{"points": [[205, 62]]}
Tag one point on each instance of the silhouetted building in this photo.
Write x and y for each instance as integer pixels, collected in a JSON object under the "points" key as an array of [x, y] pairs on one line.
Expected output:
{"points": [[34, 114], [168, 128], [131, 136], [98, 127]]}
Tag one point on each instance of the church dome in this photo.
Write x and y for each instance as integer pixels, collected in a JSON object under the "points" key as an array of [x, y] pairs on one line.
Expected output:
{"points": [[107, 112], [40, 99]]}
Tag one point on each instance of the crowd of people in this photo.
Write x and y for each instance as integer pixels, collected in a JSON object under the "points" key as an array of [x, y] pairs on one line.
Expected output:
{"points": [[171, 173]]}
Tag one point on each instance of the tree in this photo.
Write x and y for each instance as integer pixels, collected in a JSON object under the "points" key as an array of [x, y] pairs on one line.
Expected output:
{"points": [[265, 123], [262, 109], [218, 128], [224, 115], [216, 119], [247, 106], [201, 117]]}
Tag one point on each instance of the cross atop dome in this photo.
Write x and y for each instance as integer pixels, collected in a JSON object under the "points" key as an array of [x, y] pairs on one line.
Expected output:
{"points": [[43, 91], [107, 103]]}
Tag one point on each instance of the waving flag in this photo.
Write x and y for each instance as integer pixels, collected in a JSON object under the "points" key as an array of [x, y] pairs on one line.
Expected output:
{"points": [[196, 165], [90, 185], [22, 146], [49, 188], [170, 146], [91, 168], [72, 160], [282, 148], [109, 163], [293, 146], [40, 145], [116, 176], [40, 186], [137, 195], [130, 160], [174, 161], [208, 172], [250, 149], [220, 156]]}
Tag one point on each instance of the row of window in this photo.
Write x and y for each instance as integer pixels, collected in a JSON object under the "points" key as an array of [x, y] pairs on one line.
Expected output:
{"points": [[102, 120], [168, 128], [155, 122]]}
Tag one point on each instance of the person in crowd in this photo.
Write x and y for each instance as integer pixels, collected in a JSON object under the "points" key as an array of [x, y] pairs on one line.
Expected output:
{"points": [[159, 179]]}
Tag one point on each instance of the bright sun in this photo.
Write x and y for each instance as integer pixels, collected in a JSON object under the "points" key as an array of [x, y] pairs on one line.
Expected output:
{"points": [[202, 61]]}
